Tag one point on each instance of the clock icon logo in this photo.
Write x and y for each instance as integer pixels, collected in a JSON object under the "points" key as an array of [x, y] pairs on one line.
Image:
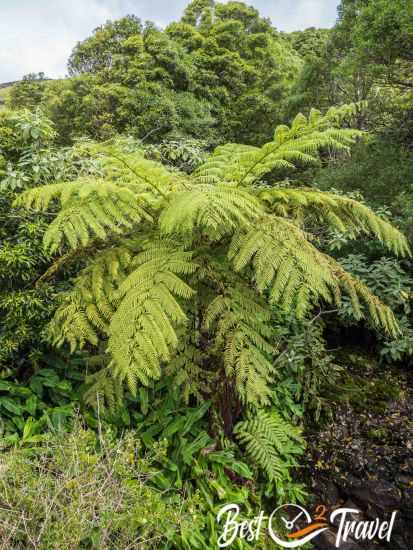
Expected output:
{"points": [[288, 515]]}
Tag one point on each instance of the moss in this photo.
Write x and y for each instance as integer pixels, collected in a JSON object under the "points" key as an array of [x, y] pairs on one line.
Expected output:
{"points": [[378, 434], [365, 384]]}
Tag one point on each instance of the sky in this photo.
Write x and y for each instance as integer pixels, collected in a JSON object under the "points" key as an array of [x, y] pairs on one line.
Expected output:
{"points": [[38, 35]]}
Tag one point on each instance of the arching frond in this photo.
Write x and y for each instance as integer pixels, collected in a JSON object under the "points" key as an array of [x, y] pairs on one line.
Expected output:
{"points": [[365, 303], [214, 210], [299, 144], [338, 212], [214, 169], [89, 209], [142, 331], [86, 311], [132, 169], [297, 275], [271, 442], [285, 263]]}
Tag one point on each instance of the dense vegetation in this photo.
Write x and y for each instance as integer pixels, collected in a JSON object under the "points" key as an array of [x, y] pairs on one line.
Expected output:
{"points": [[188, 266]]}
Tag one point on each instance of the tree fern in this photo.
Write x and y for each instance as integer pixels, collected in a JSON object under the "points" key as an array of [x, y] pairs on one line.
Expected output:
{"points": [[169, 254]]}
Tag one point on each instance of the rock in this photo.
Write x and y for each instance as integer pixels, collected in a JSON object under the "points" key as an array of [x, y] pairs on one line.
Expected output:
{"points": [[404, 479], [369, 457], [408, 500], [330, 494], [327, 541], [350, 517], [400, 543], [408, 466], [379, 493]]}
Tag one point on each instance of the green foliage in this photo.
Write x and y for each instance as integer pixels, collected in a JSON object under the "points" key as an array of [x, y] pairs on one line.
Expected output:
{"points": [[98, 52], [28, 92], [367, 56], [388, 280], [309, 42], [45, 401], [383, 33], [26, 305], [379, 169], [90, 209], [271, 443], [5, 89], [139, 343], [208, 300], [192, 462], [307, 372], [185, 155], [241, 64], [136, 314], [385, 277], [22, 257], [196, 463], [76, 490], [219, 74]]}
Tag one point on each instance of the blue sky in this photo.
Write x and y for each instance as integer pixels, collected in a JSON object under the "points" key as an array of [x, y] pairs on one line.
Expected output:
{"points": [[38, 35]]}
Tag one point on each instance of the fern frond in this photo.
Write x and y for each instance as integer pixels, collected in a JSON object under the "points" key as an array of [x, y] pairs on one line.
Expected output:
{"points": [[338, 212], [186, 371], [300, 144], [213, 170], [215, 210], [89, 209], [297, 275], [364, 303], [271, 443], [75, 322], [285, 263], [85, 312], [103, 390], [142, 331], [241, 328], [132, 169]]}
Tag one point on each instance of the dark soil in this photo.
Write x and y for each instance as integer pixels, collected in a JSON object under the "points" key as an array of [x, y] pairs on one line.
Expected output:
{"points": [[364, 459]]}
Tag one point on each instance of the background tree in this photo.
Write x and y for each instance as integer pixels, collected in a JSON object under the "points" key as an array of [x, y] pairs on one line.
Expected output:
{"points": [[28, 92], [219, 74]]}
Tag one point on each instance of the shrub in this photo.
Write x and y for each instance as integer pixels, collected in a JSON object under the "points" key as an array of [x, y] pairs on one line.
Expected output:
{"points": [[80, 490]]}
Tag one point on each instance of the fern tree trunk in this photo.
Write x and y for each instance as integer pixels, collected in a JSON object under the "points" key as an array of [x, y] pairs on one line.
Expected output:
{"points": [[223, 393], [229, 406]]}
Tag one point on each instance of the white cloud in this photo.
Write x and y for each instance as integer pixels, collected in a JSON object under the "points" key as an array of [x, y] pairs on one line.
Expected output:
{"points": [[299, 14], [39, 35]]}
